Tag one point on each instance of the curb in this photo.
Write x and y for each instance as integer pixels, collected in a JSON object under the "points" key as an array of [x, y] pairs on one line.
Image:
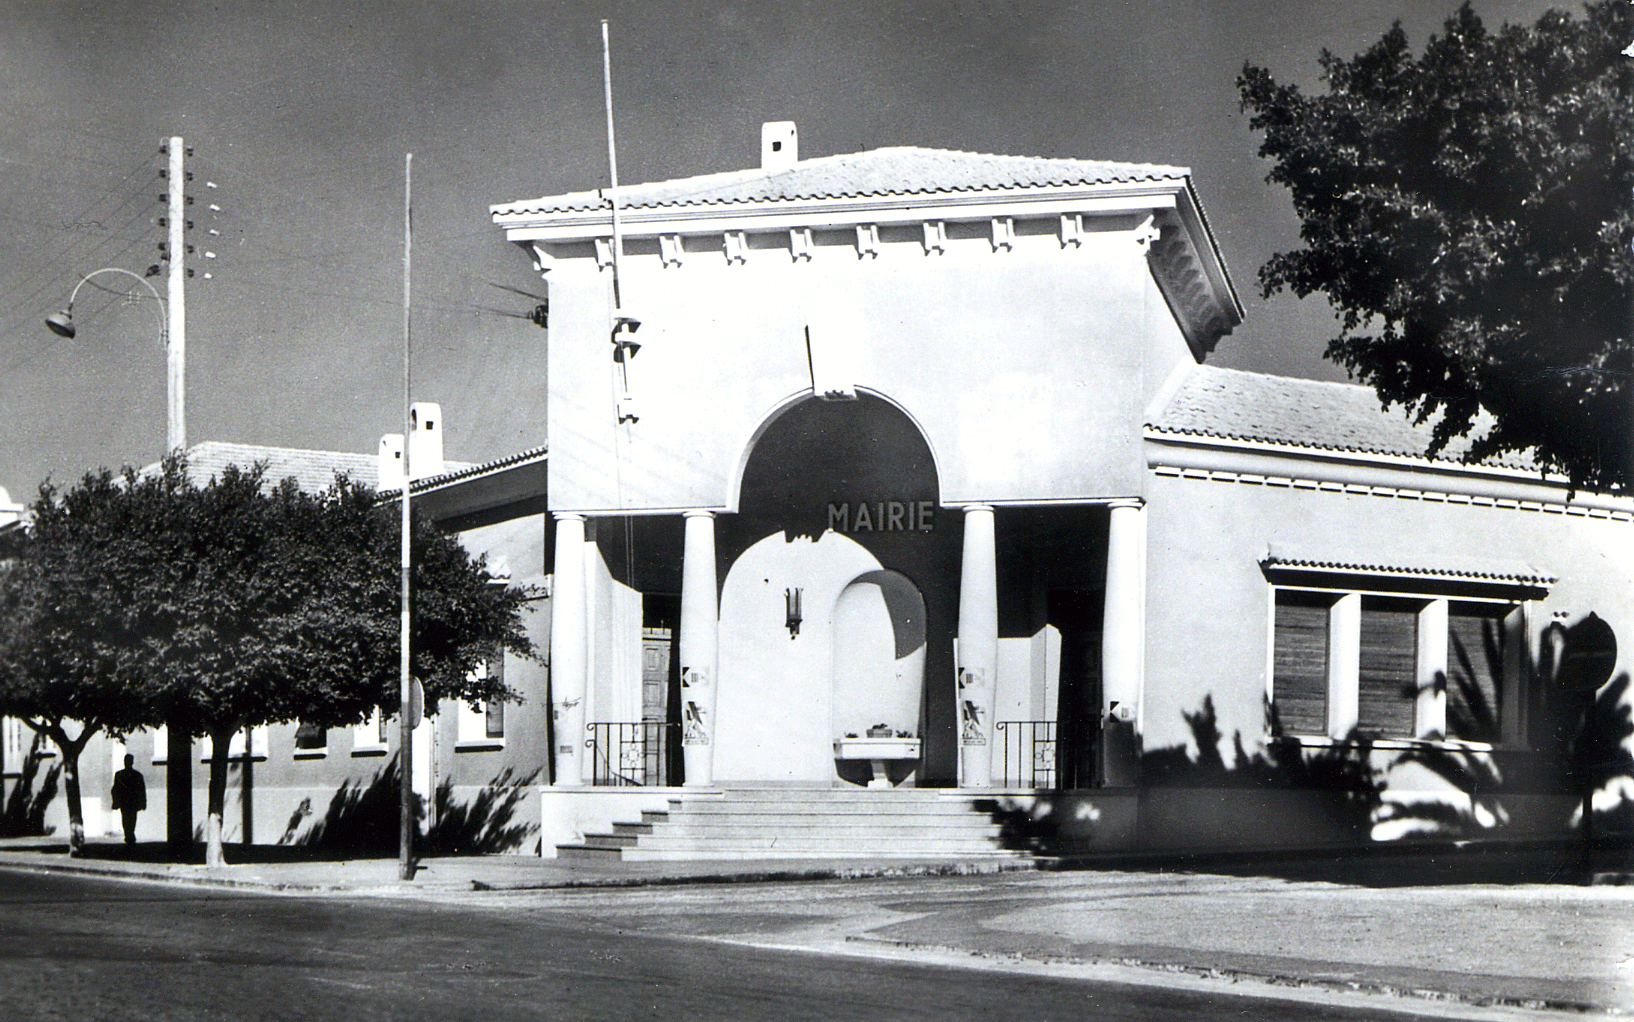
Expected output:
{"points": [[576, 883], [1373, 988], [771, 876]]}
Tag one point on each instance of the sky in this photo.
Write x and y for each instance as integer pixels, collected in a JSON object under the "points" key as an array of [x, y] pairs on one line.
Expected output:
{"points": [[299, 114]]}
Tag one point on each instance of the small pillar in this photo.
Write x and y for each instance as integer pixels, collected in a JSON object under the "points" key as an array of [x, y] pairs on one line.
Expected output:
{"points": [[978, 647], [1123, 642], [700, 622], [569, 651]]}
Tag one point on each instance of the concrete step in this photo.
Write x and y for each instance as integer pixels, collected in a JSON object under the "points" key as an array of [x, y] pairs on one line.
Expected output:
{"points": [[814, 842], [735, 852], [743, 823], [850, 829], [589, 853], [914, 810]]}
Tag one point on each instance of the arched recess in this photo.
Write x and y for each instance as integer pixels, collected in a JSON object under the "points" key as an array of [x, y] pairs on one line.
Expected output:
{"points": [[879, 654]]}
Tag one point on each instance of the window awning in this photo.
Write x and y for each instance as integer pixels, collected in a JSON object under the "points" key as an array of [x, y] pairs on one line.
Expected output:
{"points": [[1286, 560]]}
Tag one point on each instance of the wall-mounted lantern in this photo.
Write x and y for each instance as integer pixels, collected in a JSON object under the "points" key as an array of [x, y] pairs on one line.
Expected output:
{"points": [[624, 349], [791, 605]]}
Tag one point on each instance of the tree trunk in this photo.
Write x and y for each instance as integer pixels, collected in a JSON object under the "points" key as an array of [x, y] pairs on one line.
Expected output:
{"points": [[220, 743], [71, 748]]}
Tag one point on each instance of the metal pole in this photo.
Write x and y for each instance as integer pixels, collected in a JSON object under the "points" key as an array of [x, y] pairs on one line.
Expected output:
{"points": [[176, 350], [612, 159], [179, 741], [405, 821]]}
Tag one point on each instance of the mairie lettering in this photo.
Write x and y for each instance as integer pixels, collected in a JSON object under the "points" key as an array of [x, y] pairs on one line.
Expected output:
{"points": [[883, 516]]}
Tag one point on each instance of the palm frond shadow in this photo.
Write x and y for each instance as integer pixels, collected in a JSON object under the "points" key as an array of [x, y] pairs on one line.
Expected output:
{"points": [[362, 818], [23, 814]]}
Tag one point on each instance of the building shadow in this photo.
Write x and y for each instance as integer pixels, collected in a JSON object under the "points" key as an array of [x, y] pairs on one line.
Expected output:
{"points": [[1579, 721], [1338, 788], [23, 814], [1492, 806], [362, 819]]}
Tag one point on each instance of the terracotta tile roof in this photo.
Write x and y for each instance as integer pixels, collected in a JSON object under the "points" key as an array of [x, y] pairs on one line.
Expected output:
{"points": [[1237, 405], [898, 170], [1501, 572], [313, 471], [457, 472]]}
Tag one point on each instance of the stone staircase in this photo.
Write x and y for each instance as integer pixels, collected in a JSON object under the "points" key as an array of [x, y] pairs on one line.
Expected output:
{"points": [[802, 823]]}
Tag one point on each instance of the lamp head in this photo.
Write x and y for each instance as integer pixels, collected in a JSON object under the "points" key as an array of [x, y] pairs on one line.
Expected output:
{"points": [[61, 323], [624, 346]]}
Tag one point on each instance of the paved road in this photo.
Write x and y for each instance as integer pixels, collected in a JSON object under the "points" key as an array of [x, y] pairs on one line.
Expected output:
{"points": [[86, 949]]}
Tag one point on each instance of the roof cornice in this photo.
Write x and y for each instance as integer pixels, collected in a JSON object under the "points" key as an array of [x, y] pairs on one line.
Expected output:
{"points": [[1185, 259], [1229, 459]]}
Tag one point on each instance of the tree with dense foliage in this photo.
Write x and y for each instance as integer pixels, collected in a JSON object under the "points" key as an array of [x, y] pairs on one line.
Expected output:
{"points": [[1468, 214], [69, 663], [233, 605]]}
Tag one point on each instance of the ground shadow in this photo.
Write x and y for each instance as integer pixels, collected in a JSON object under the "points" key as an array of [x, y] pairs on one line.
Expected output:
{"points": [[23, 814], [363, 818], [1342, 776]]}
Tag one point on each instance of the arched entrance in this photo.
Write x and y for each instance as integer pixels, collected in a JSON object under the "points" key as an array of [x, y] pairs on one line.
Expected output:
{"points": [[839, 596]]}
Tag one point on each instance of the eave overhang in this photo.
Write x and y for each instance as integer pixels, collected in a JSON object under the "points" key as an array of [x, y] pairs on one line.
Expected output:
{"points": [[1184, 257], [487, 494], [1270, 463]]}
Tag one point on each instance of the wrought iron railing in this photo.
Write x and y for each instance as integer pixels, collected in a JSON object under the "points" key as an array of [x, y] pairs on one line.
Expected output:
{"points": [[1027, 750], [644, 754]]}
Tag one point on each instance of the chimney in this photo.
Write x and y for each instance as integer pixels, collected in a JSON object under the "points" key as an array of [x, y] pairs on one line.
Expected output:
{"points": [[779, 145], [425, 448], [390, 474], [426, 440]]}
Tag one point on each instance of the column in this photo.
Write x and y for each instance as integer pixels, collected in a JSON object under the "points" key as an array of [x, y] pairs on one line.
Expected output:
{"points": [[978, 647], [569, 650], [700, 621], [1123, 640]]}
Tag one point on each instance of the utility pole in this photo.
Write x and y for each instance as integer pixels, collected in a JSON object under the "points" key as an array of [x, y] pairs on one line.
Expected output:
{"points": [[406, 708], [176, 355], [178, 734]]}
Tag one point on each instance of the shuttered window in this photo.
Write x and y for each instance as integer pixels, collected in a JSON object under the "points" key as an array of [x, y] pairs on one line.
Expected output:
{"points": [[311, 737], [1393, 666], [1299, 681], [1387, 667], [1475, 664]]}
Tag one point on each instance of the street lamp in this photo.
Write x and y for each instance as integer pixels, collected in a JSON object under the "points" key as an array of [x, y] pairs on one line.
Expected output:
{"points": [[62, 324]]}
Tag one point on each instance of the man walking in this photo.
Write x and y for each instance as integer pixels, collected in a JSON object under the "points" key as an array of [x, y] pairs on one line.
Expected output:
{"points": [[130, 796]]}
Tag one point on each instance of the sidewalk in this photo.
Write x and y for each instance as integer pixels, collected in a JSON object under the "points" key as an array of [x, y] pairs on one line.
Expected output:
{"points": [[297, 871], [1465, 929]]}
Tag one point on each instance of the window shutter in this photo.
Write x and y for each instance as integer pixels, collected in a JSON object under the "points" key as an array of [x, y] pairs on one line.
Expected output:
{"points": [[1475, 663], [311, 736], [1387, 686], [1299, 673]]}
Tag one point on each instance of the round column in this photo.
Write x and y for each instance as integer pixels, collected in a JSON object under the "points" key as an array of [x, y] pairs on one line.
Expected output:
{"points": [[569, 650], [1123, 640], [700, 620], [978, 647]]}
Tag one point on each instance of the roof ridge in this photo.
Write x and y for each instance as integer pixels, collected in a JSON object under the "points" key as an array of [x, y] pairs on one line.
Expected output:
{"points": [[887, 170]]}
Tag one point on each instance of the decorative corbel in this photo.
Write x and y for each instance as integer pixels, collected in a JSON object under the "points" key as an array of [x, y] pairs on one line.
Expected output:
{"points": [[868, 241], [669, 249], [1004, 234], [935, 237], [1072, 230], [1147, 233], [800, 244]]}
